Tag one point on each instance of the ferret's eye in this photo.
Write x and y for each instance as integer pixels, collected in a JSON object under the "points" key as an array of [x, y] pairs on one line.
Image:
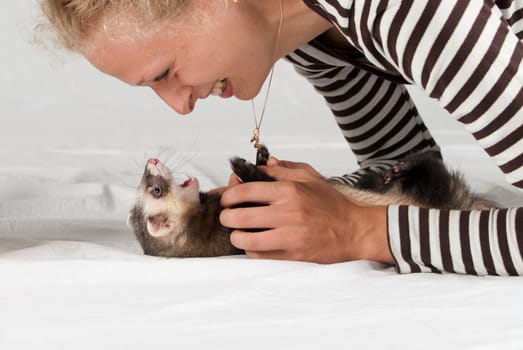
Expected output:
{"points": [[156, 191]]}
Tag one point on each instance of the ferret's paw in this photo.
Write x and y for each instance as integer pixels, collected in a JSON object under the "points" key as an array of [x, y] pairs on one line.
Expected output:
{"points": [[397, 171], [262, 155], [413, 164], [248, 172], [372, 181]]}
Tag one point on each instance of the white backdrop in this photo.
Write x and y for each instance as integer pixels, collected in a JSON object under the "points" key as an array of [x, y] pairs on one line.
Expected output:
{"points": [[72, 147]]}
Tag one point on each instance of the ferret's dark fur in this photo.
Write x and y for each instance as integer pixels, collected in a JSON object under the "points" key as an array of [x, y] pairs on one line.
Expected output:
{"points": [[173, 220]]}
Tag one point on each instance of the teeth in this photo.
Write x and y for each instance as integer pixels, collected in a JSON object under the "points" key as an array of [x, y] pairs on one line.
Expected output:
{"points": [[219, 86]]}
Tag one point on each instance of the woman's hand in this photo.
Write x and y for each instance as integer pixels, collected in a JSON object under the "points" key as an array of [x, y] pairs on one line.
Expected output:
{"points": [[305, 219]]}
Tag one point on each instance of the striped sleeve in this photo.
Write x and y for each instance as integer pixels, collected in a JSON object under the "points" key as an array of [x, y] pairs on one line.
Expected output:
{"points": [[375, 114], [466, 242], [464, 54]]}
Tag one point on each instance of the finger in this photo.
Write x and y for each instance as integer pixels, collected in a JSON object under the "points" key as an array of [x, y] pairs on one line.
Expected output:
{"points": [[272, 161], [294, 173], [270, 255], [254, 192], [218, 190], [254, 217], [233, 180], [299, 165], [286, 255], [262, 241]]}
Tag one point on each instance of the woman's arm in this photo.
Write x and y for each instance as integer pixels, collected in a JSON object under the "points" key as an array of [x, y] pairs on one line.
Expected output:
{"points": [[465, 54], [375, 115]]}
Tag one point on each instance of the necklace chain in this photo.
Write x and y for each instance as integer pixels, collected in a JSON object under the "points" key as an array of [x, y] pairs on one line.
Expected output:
{"points": [[257, 123]]}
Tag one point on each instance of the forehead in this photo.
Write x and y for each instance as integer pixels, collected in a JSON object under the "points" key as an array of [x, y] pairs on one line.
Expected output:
{"points": [[143, 28], [124, 50]]}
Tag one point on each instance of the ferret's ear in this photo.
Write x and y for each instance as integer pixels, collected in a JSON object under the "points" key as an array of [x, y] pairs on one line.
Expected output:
{"points": [[158, 228], [129, 221]]}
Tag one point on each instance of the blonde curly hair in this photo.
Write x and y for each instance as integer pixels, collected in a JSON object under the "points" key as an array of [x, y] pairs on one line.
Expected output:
{"points": [[72, 20]]}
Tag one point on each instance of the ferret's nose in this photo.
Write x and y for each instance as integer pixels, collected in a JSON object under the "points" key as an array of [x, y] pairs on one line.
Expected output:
{"points": [[153, 161]]}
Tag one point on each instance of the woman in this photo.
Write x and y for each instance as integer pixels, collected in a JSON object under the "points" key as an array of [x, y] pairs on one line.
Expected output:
{"points": [[358, 55]]}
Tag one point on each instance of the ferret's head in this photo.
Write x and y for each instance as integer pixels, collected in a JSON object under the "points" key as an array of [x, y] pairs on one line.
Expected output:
{"points": [[162, 207]]}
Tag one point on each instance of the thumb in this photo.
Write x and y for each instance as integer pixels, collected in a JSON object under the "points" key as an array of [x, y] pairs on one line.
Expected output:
{"points": [[273, 161], [295, 165]]}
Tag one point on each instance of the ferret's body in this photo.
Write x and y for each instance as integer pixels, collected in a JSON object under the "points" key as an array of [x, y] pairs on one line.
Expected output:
{"points": [[173, 220], [422, 179]]}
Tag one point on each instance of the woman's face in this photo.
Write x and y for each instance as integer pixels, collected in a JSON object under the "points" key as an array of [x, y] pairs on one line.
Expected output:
{"points": [[184, 63]]}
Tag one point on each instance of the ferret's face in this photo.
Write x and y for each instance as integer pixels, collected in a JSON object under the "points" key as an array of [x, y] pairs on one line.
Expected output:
{"points": [[162, 205]]}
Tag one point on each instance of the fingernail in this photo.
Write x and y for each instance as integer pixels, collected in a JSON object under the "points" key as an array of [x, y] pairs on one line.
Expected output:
{"points": [[237, 240]]}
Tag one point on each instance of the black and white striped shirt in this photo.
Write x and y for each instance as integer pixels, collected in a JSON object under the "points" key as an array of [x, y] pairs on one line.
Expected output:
{"points": [[466, 54]]}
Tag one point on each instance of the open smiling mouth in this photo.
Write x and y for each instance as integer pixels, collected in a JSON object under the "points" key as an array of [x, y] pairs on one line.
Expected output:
{"points": [[219, 87]]}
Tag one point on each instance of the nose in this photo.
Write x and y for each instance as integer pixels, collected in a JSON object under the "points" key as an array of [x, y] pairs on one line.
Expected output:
{"points": [[179, 98], [153, 161]]}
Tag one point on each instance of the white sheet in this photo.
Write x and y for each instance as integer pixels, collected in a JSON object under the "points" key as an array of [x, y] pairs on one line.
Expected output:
{"points": [[72, 148]]}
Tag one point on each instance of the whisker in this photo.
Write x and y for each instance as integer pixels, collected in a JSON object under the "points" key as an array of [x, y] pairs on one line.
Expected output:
{"points": [[178, 159], [165, 149], [185, 158], [171, 152], [128, 185]]}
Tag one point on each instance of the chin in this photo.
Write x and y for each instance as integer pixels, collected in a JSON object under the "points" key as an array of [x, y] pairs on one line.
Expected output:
{"points": [[246, 95]]}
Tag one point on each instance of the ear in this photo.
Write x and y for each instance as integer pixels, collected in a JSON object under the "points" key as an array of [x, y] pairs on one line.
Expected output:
{"points": [[129, 221], [158, 228]]}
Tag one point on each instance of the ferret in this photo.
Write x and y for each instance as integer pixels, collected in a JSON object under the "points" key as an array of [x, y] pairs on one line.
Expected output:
{"points": [[179, 220]]}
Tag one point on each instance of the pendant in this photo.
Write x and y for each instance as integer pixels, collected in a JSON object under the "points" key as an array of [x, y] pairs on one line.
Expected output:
{"points": [[256, 138]]}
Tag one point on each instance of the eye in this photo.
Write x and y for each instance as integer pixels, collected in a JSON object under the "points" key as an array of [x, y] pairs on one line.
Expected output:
{"points": [[162, 76], [156, 191]]}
